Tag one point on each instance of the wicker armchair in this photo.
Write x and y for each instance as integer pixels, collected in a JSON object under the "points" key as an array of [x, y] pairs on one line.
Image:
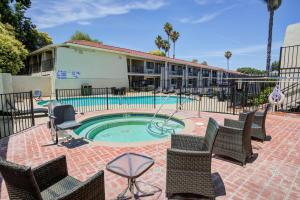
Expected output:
{"points": [[49, 181], [234, 139], [189, 163], [258, 128]]}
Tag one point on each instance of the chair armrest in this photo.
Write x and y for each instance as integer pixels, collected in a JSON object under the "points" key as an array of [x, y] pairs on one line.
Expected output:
{"points": [[52, 117], [234, 123], [230, 131], [188, 160], [92, 188], [242, 116], [187, 142], [50, 172]]}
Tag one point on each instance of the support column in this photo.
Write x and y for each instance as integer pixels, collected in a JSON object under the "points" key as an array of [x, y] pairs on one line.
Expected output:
{"points": [[210, 78], [130, 65], [221, 78], [166, 75], [145, 66], [162, 77], [186, 76], [201, 77]]}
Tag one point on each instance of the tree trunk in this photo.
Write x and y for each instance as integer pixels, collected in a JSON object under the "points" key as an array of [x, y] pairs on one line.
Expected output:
{"points": [[168, 43], [227, 63], [174, 50], [269, 48]]}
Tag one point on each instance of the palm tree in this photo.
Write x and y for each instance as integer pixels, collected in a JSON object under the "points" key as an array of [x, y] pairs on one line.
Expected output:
{"points": [[158, 42], [272, 6], [165, 46], [174, 37], [228, 55], [168, 29]]}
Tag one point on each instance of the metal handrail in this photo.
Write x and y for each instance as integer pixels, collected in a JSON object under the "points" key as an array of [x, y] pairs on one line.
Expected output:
{"points": [[290, 86], [177, 109], [163, 103]]}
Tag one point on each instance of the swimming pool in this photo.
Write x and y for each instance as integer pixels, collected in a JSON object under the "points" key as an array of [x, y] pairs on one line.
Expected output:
{"points": [[93, 101], [128, 128]]}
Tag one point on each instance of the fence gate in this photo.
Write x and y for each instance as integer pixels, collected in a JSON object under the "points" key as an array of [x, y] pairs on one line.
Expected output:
{"points": [[289, 73], [16, 113]]}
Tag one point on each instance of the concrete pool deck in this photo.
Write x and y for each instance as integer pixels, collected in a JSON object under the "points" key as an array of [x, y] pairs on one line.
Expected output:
{"points": [[274, 174]]}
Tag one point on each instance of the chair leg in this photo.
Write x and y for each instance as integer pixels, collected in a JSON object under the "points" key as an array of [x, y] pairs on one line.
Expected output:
{"points": [[56, 137]]}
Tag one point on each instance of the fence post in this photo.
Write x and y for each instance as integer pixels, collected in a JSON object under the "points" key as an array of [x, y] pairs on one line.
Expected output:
{"points": [[56, 94], [107, 107], [154, 95], [233, 96], [199, 105], [180, 98], [31, 106]]}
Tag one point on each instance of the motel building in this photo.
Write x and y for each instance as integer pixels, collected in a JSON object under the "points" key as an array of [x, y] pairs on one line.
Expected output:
{"points": [[75, 63]]}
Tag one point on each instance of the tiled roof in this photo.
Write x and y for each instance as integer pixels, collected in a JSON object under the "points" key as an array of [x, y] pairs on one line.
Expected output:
{"points": [[144, 54]]}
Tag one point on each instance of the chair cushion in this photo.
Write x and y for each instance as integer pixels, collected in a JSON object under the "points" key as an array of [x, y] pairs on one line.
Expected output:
{"points": [[66, 184], [68, 125], [40, 110], [255, 126]]}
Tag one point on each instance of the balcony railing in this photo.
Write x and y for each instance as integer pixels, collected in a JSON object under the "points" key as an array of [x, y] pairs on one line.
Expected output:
{"points": [[43, 66], [47, 65], [141, 70], [177, 72]]}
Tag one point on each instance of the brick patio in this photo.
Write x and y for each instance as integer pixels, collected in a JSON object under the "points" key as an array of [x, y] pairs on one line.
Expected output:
{"points": [[275, 174]]}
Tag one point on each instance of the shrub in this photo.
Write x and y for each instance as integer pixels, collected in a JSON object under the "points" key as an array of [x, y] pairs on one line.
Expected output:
{"points": [[262, 97]]}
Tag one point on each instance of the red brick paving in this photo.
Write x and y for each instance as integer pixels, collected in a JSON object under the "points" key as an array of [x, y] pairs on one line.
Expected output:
{"points": [[275, 174]]}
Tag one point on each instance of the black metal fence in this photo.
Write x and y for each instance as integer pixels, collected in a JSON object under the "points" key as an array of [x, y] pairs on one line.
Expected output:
{"points": [[16, 113], [231, 98], [96, 99]]}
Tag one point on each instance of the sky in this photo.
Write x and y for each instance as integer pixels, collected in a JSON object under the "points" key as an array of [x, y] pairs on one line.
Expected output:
{"points": [[207, 28]]}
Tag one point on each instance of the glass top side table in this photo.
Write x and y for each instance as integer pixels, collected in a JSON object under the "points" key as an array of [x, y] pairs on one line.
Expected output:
{"points": [[131, 166]]}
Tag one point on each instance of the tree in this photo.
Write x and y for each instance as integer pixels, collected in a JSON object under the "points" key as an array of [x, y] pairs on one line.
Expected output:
{"points": [[165, 46], [204, 63], [168, 29], [174, 37], [250, 70], [228, 55], [272, 6], [12, 51], [158, 42], [194, 61], [13, 13], [78, 35], [275, 65], [157, 53]]}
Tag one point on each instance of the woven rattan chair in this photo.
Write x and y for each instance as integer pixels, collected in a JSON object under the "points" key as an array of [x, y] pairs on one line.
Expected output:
{"points": [[189, 163], [49, 181], [258, 128], [234, 139]]}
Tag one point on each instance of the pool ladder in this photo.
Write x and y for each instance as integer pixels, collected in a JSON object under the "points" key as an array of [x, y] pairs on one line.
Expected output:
{"points": [[161, 128]]}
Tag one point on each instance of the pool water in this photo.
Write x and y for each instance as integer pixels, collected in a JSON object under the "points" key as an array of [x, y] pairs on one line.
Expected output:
{"points": [[128, 127], [93, 101]]}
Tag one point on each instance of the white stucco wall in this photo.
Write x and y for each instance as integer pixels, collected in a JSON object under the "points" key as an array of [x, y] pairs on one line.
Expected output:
{"points": [[5, 83], [1, 85], [31, 83], [290, 55], [97, 68], [292, 35]]}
